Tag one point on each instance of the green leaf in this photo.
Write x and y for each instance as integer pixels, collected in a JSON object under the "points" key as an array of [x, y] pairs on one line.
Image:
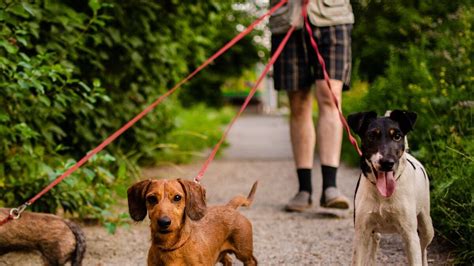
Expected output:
{"points": [[94, 5], [89, 174], [22, 40], [111, 227], [87, 88], [10, 48], [25, 131], [96, 83], [19, 10], [29, 8], [4, 117], [25, 65], [44, 100]]}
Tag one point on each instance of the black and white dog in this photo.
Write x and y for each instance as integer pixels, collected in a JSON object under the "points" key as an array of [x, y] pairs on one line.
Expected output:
{"points": [[392, 195]]}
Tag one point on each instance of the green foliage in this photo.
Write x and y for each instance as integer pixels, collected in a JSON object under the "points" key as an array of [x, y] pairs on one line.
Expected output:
{"points": [[86, 191], [206, 87], [383, 26], [73, 72], [352, 102], [39, 93], [433, 76], [197, 128]]}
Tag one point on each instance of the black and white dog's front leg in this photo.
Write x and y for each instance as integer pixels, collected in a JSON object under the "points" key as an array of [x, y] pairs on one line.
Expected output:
{"points": [[374, 245], [365, 246], [426, 233], [412, 240]]}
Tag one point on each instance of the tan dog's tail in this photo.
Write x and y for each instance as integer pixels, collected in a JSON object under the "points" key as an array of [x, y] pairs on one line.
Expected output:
{"points": [[240, 200]]}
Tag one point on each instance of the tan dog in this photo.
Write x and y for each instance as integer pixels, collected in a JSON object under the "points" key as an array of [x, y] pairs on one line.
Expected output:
{"points": [[184, 231], [56, 239]]}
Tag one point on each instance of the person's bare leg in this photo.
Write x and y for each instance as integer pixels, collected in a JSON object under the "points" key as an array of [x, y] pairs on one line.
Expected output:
{"points": [[302, 135], [329, 138], [329, 127]]}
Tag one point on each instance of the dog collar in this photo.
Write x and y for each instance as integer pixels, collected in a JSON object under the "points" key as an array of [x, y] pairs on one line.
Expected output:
{"points": [[179, 244]]}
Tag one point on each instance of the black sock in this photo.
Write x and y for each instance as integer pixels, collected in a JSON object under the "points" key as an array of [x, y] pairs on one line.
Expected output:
{"points": [[329, 176], [304, 179]]}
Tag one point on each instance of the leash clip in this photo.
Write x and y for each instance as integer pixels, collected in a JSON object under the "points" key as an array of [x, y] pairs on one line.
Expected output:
{"points": [[197, 178], [15, 213]]}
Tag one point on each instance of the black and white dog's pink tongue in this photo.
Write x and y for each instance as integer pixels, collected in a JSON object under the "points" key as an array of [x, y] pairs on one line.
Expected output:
{"points": [[385, 183]]}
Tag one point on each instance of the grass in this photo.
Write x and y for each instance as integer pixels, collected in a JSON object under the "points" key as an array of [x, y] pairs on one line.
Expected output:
{"points": [[196, 129]]}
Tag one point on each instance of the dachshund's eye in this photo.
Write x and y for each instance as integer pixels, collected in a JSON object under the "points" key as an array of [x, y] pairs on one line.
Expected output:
{"points": [[177, 198], [397, 137], [152, 200]]}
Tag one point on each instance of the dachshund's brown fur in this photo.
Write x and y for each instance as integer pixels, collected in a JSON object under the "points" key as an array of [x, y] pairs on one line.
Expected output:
{"points": [[57, 240], [186, 232]]}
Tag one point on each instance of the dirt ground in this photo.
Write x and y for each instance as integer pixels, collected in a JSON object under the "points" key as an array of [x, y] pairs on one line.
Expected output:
{"points": [[259, 150]]}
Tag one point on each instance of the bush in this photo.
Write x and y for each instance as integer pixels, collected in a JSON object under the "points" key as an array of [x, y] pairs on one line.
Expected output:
{"points": [[383, 26], [73, 72], [39, 93]]}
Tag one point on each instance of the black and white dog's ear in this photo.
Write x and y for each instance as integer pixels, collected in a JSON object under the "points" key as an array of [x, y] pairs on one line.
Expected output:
{"points": [[406, 119], [359, 122]]}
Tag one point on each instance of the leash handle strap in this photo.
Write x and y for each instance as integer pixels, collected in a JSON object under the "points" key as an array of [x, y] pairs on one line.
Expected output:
{"points": [[117, 133], [326, 78], [244, 105]]}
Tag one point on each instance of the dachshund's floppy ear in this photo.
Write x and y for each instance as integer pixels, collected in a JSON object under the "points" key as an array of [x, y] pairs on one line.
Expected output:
{"points": [[136, 200], [406, 119], [195, 199], [359, 122]]}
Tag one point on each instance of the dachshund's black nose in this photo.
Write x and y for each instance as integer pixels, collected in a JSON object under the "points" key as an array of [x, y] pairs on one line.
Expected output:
{"points": [[164, 222], [387, 164]]}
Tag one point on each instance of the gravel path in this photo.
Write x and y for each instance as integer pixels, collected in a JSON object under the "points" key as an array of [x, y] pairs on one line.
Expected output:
{"points": [[259, 150]]}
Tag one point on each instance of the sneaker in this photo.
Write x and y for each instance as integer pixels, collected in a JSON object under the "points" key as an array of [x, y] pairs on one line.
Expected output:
{"points": [[300, 202], [333, 198]]}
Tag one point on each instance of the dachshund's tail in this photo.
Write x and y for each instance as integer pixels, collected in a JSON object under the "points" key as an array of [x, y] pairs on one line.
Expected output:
{"points": [[240, 200]]}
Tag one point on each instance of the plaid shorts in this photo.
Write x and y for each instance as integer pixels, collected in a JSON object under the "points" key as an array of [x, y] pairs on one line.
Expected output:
{"points": [[297, 67]]}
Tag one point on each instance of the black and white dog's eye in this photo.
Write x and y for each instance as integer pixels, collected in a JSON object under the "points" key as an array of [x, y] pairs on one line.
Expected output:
{"points": [[177, 198], [371, 136], [397, 137], [152, 200]]}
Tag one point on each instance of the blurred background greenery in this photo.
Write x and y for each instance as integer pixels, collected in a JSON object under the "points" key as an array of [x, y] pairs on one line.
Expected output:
{"points": [[74, 71]]}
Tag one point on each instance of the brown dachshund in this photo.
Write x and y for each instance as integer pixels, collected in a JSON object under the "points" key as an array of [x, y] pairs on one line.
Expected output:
{"points": [[57, 240], [184, 231]]}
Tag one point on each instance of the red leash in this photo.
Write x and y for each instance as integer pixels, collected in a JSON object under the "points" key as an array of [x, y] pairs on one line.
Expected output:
{"points": [[125, 127], [14, 214], [326, 78], [6, 220], [254, 89], [244, 105]]}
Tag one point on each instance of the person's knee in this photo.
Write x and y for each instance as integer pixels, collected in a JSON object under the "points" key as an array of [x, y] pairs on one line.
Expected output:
{"points": [[326, 102], [301, 104], [326, 97]]}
